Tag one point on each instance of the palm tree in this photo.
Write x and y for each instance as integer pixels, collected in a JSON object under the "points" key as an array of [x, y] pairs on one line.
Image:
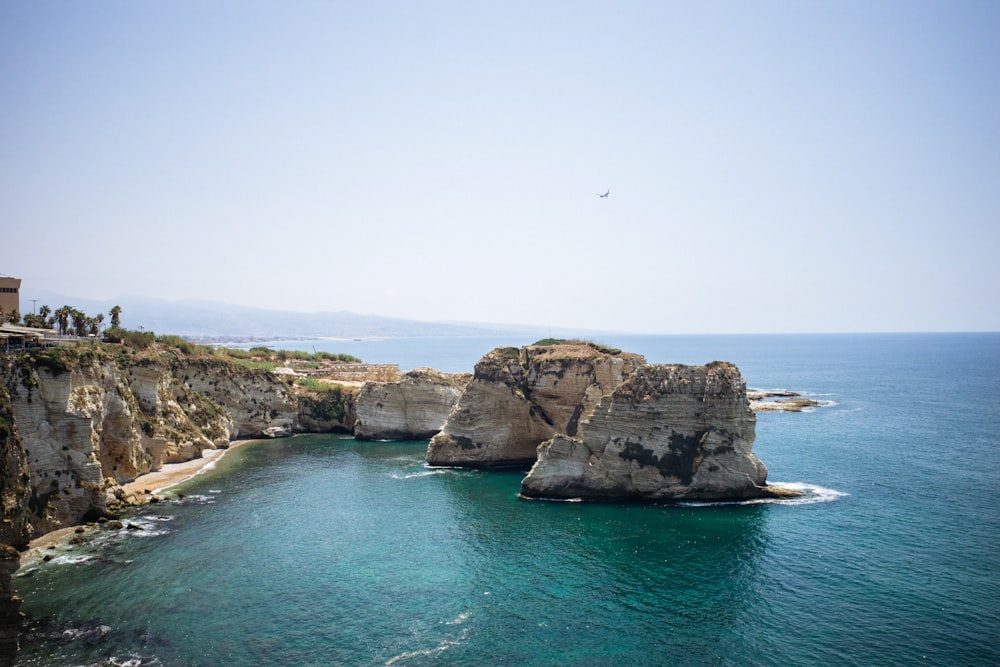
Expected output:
{"points": [[79, 322], [116, 316], [62, 316], [95, 324], [44, 320]]}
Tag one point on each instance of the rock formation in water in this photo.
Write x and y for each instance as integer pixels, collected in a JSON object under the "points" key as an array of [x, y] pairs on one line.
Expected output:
{"points": [[520, 398], [413, 407], [779, 400], [669, 432]]}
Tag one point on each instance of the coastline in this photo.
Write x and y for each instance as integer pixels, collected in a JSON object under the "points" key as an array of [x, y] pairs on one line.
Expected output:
{"points": [[172, 474], [143, 486]]}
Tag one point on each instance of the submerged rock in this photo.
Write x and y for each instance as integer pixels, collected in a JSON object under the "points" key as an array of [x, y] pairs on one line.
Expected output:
{"points": [[669, 432], [779, 401]]}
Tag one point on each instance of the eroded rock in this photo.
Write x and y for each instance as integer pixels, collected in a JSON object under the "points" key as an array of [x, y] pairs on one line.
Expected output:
{"points": [[669, 432], [414, 406], [519, 398]]}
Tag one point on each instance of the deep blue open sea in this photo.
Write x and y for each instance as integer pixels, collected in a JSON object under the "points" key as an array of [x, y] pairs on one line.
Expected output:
{"points": [[319, 550]]}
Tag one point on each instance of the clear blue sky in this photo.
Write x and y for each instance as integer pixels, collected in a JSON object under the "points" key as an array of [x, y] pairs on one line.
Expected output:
{"points": [[773, 166]]}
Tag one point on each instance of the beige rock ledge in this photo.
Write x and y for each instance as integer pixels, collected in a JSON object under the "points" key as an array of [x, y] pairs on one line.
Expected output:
{"points": [[778, 400]]}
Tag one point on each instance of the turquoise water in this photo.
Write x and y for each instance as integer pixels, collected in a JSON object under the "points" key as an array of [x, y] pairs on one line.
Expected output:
{"points": [[320, 550]]}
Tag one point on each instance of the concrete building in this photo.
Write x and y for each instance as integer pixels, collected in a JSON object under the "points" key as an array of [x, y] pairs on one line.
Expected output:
{"points": [[10, 294]]}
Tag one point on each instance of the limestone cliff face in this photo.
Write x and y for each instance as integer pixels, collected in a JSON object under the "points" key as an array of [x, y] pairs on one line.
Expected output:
{"points": [[89, 420], [669, 432], [519, 398], [258, 403], [415, 406]]}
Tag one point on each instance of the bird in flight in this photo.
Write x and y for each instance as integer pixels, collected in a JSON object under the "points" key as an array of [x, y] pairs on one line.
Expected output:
{"points": [[605, 195]]}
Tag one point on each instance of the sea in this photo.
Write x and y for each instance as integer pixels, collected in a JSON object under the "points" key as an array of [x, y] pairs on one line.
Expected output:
{"points": [[323, 550]]}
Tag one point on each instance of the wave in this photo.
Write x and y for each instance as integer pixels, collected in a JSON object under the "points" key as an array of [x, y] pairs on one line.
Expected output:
{"points": [[422, 473], [811, 494], [552, 499], [442, 646]]}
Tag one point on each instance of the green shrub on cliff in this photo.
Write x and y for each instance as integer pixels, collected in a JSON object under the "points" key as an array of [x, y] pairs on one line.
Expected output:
{"points": [[177, 342], [326, 401], [550, 341], [56, 360], [264, 358], [139, 340]]}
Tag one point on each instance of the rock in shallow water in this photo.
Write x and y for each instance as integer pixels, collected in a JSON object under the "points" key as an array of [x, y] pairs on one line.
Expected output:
{"points": [[519, 398], [669, 432], [415, 406]]}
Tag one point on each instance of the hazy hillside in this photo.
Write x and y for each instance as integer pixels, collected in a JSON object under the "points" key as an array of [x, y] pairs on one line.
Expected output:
{"points": [[204, 319]]}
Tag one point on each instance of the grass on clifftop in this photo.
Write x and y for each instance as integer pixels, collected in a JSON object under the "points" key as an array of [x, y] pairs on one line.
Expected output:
{"points": [[146, 344], [256, 358], [600, 347]]}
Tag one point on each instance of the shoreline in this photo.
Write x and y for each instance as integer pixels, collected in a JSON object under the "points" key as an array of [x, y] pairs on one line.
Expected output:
{"points": [[145, 485]]}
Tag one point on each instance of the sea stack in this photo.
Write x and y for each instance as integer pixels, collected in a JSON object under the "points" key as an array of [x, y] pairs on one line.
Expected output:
{"points": [[413, 407], [519, 398], [668, 432]]}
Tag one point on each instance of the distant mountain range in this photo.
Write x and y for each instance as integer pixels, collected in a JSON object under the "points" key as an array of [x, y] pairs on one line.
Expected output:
{"points": [[208, 320]]}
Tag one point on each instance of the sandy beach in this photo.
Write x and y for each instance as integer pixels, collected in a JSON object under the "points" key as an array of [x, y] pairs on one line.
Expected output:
{"points": [[171, 474]]}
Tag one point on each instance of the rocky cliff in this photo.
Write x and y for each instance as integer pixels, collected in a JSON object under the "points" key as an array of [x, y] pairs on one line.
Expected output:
{"points": [[89, 419], [519, 398], [415, 406], [10, 606], [15, 516], [669, 432]]}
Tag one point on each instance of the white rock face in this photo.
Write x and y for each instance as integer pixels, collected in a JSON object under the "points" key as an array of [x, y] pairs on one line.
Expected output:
{"points": [[669, 432], [259, 404], [415, 406], [519, 398], [88, 424]]}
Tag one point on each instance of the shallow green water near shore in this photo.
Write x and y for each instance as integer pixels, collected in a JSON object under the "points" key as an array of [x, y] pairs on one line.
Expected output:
{"points": [[320, 550]]}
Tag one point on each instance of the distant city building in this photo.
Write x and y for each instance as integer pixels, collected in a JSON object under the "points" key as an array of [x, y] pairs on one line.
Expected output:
{"points": [[10, 294]]}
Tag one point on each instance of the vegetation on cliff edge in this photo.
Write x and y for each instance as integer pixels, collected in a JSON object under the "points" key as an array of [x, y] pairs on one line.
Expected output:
{"points": [[600, 347]]}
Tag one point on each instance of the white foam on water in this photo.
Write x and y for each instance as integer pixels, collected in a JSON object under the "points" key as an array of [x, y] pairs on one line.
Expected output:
{"points": [[146, 526], [811, 494], [133, 661], [72, 559], [443, 646], [423, 473], [551, 500], [458, 620]]}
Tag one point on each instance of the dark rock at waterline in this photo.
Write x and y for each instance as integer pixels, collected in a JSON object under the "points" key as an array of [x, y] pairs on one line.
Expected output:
{"points": [[10, 605]]}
